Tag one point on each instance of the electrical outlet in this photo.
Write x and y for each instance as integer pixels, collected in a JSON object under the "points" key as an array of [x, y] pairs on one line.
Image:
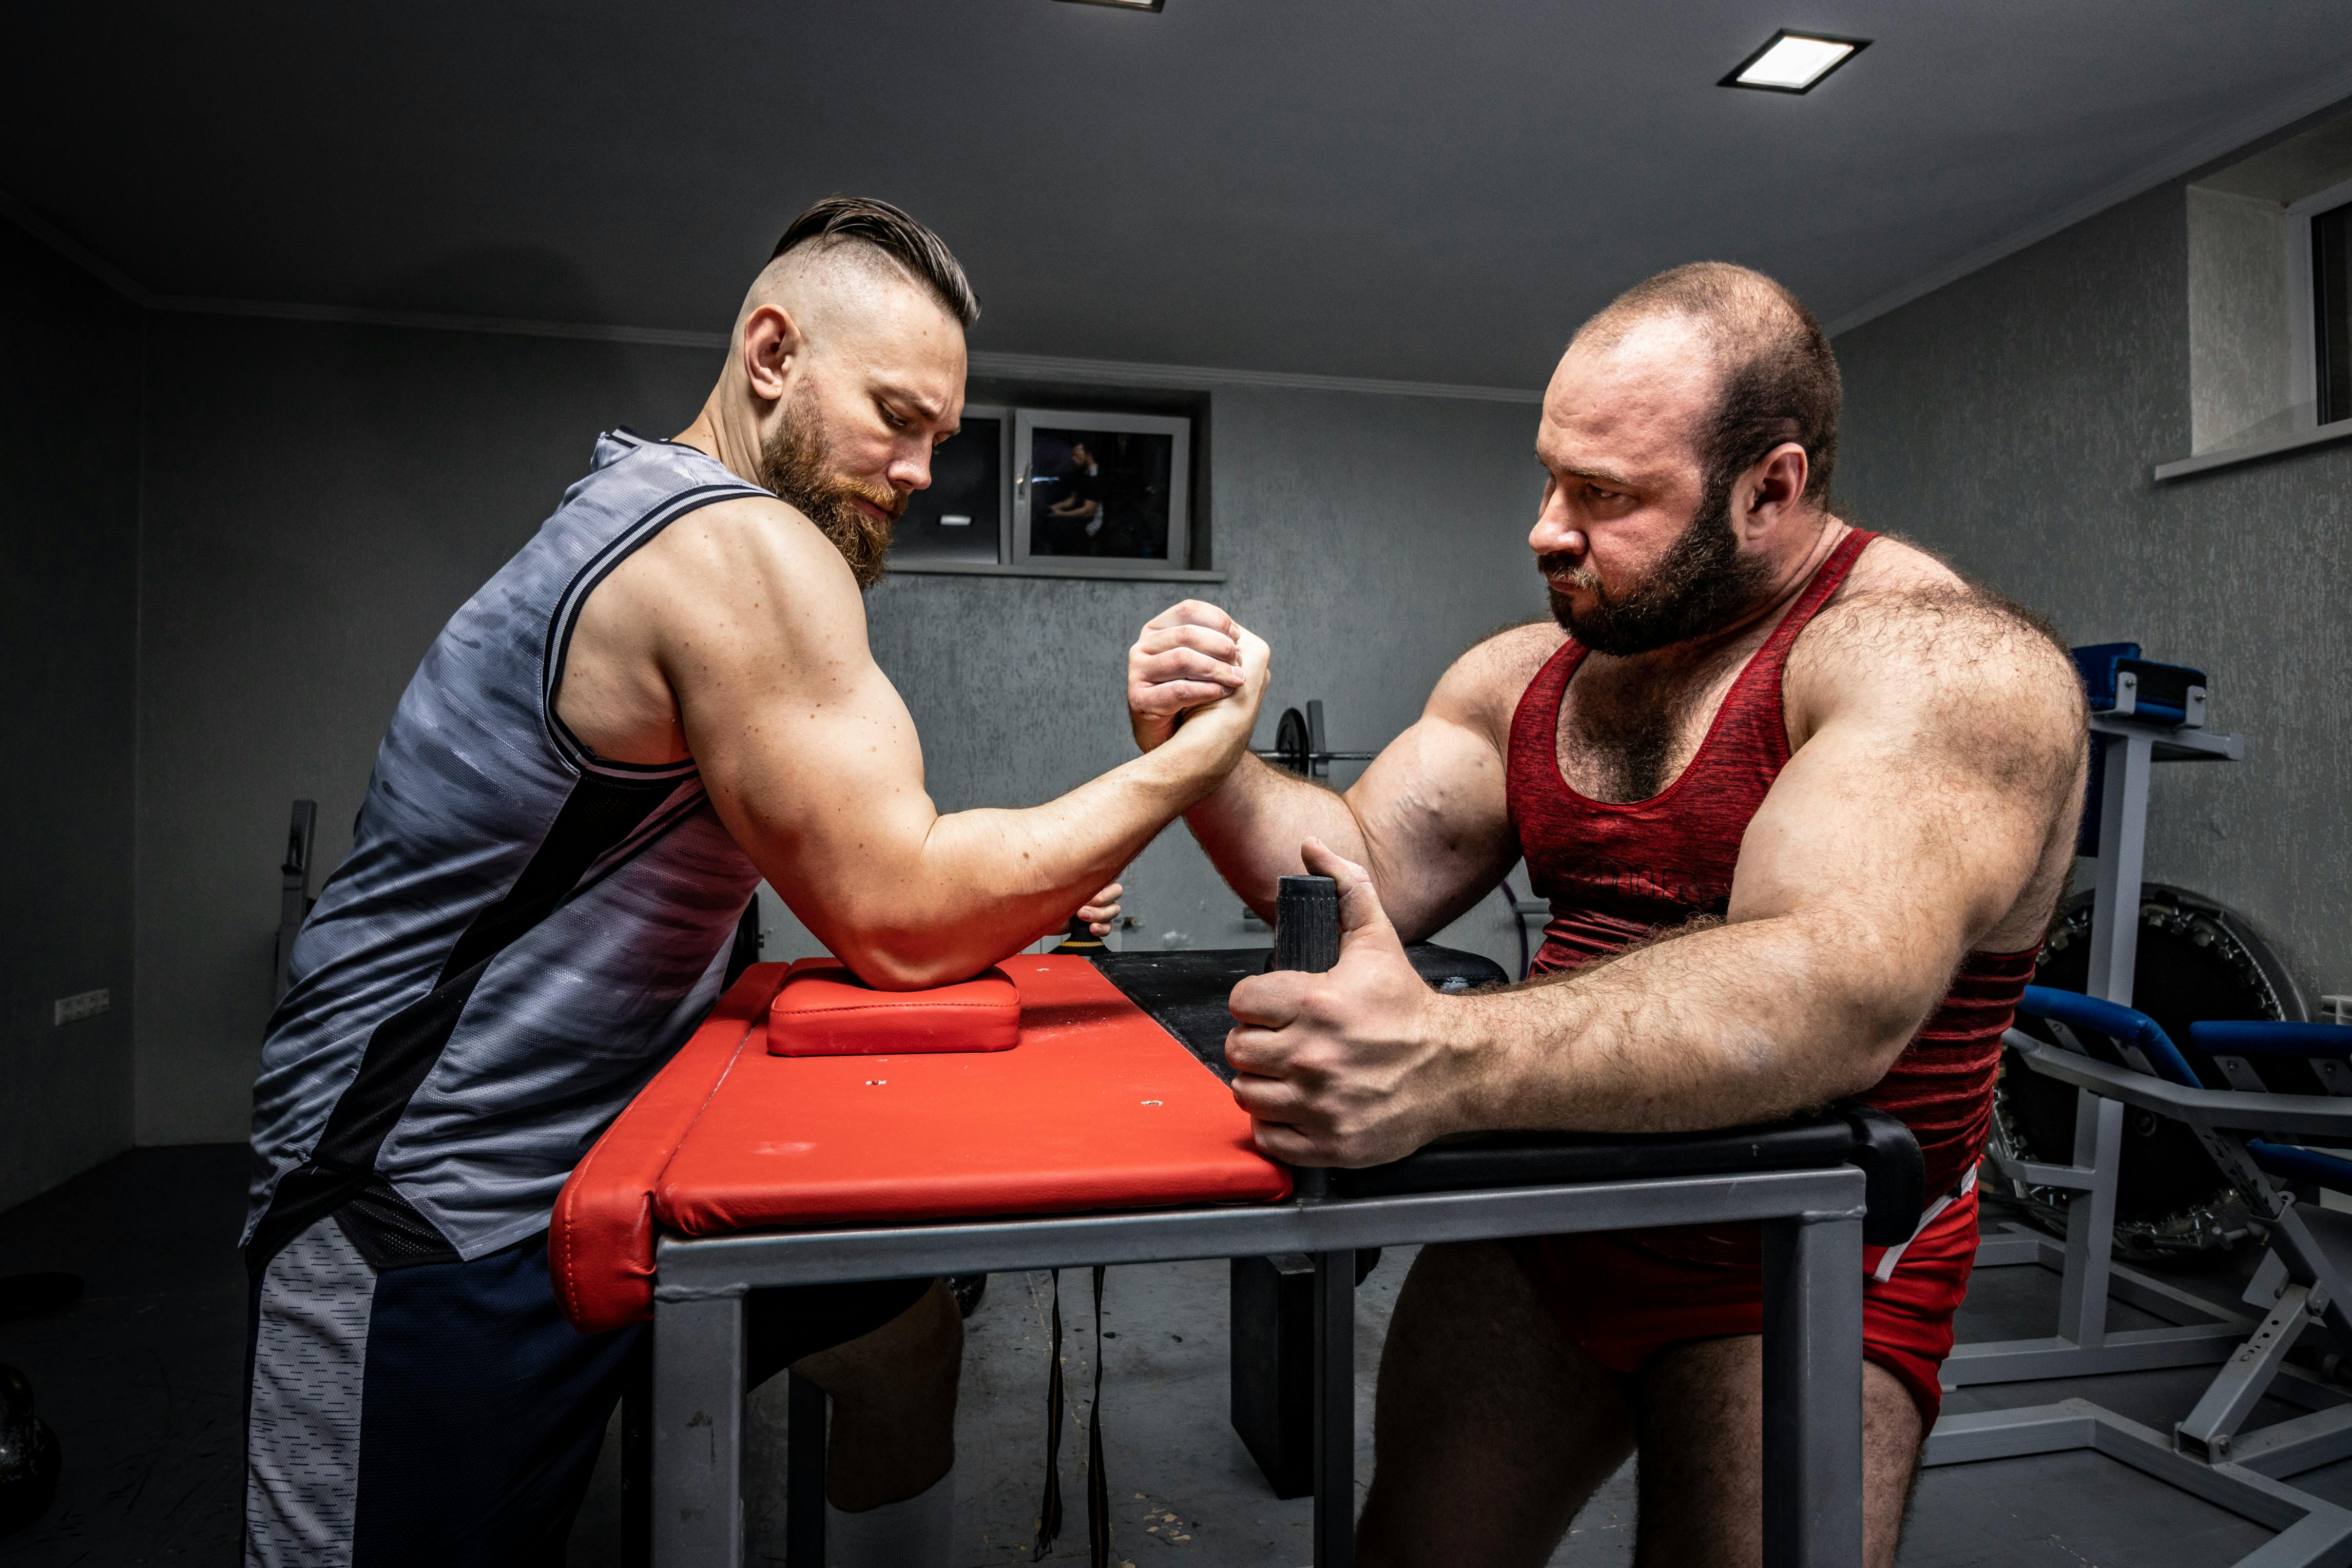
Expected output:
{"points": [[85, 1005]]}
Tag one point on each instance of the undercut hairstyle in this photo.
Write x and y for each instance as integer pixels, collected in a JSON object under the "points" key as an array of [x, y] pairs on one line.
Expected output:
{"points": [[1779, 378], [920, 253]]}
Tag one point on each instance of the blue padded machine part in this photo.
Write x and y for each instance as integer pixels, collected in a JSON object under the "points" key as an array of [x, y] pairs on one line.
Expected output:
{"points": [[2120, 1024], [2096, 664], [2301, 1164], [2264, 1037]]}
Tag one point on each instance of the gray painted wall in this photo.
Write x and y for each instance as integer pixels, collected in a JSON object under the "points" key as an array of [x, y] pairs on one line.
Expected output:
{"points": [[322, 497], [320, 500], [69, 413], [2010, 421]]}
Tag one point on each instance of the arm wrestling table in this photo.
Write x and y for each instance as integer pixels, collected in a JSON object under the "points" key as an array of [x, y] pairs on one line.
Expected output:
{"points": [[1106, 1137]]}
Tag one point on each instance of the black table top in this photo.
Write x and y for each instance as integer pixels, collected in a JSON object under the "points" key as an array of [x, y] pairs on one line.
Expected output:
{"points": [[1185, 992]]}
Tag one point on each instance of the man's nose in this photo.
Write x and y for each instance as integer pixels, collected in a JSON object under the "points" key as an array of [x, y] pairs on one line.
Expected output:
{"points": [[1556, 531], [911, 471]]}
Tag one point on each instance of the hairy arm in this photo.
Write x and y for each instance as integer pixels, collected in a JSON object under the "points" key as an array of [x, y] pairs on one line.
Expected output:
{"points": [[813, 762], [1917, 819], [1428, 816]]}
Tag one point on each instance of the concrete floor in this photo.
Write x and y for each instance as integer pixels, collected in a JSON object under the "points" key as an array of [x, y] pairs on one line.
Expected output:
{"points": [[142, 1379]]}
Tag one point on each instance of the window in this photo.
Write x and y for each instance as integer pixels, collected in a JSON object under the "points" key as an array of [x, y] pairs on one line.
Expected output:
{"points": [[2331, 312], [961, 518], [1101, 487], [1047, 492], [2270, 302], [2319, 284]]}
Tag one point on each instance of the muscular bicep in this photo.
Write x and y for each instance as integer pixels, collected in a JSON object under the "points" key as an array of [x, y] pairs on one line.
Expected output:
{"points": [[1917, 821], [1435, 812], [808, 753]]}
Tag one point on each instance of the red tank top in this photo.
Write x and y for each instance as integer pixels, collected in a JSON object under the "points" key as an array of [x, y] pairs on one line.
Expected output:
{"points": [[1616, 873]]}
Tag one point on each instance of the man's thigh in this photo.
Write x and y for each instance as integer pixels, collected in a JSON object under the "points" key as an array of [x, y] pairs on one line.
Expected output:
{"points": [[1491, 1428], [1702, 1428], [792, 1322], [444, 1414]]}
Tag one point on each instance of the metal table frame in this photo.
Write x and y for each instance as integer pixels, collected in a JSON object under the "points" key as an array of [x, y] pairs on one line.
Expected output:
{"points": [[1812, 1222]]}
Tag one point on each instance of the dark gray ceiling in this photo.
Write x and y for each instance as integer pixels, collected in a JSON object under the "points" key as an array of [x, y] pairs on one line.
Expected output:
{"points": [[1424, 189]]}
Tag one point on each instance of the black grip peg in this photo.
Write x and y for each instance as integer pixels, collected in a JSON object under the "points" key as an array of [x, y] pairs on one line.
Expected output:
{"points": [[1307, 938], [1306, 924]]}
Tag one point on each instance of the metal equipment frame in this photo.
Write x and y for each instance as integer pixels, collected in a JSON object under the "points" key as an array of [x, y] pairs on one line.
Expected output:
{"points": [[2310, 1530], [2199, 1459], [2205, 1456], [1812, 1221], [2200, 1333]]}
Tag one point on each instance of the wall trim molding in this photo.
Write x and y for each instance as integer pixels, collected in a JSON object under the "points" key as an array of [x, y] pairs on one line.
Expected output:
{"points": [[2252, 452], [1041, 367], [1126, 372], [2179, 161]]}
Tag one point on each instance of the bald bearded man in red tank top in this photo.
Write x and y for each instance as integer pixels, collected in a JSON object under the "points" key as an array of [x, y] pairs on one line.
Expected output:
{"points": [[1802, 801]]}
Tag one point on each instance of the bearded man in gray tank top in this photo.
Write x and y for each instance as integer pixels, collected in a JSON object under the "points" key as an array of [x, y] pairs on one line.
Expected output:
{"points": [[664, 697]]}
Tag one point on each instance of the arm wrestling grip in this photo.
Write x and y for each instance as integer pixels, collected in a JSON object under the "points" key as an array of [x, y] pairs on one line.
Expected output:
{"points": [[1307, 938]]}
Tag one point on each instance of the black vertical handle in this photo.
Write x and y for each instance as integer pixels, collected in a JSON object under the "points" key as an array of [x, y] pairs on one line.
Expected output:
{"points": [[1306, 924], [1307, 938]]}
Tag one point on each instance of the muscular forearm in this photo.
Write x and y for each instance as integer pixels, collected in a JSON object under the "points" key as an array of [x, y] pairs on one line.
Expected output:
{"points": [[1722, 1027], [981, 884], [1251, 827]]}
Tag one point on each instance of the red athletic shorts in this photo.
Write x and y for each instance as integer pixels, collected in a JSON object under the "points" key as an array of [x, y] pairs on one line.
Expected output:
{"points": [[1624, 1296]]}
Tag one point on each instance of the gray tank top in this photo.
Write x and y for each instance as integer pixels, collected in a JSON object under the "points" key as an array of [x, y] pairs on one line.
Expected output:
{"points": [[522, 933]]}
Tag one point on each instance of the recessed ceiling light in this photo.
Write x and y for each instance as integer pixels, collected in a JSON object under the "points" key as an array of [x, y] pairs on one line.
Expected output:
{"points": [[1794, 62], [1122, 4]]}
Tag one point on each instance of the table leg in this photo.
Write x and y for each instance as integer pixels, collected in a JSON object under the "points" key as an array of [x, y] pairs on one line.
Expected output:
{"points": [[1812, 1392], [1334, 1409], [699, 1433], [804, 1413]]}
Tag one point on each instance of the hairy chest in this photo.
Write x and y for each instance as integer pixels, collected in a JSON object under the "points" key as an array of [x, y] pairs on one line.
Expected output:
{"points": [[1627, 733]]}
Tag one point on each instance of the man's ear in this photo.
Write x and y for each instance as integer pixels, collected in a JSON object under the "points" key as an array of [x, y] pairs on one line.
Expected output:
{"points": [[772, 347], [1779, 484]]}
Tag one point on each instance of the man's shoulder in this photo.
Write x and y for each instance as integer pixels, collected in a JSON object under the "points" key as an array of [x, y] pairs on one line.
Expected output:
{"points": [[744, 572], [1904, 621], [1483, 687], [747, 545]]}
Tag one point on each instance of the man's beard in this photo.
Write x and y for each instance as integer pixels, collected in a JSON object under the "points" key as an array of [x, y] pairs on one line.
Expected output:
{"points": [[1700, 584], [794, 464]]}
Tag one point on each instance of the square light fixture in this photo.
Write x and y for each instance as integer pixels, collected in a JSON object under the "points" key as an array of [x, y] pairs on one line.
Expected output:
{"points": [[1122, 4], [1793, 62]]}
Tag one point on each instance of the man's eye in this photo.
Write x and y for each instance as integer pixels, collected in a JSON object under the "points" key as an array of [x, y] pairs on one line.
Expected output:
{"points": [[891, 418]]}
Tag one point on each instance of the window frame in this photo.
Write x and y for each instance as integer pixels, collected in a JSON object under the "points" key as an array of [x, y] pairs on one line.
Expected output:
{"points": [[1025, 424], [1016, 421], [2303, 300], [1003, 414]]}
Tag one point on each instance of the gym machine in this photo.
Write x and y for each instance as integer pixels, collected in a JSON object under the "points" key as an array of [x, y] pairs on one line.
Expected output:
{"points": [[2142, 713], [2256, 1091]]}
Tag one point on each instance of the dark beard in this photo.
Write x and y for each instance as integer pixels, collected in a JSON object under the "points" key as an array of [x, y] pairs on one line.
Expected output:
{"points": [[794, 464], [1701, 584]]}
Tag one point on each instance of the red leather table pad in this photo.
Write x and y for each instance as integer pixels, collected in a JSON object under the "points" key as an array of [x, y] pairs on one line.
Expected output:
{"points": [[1098, 1108], [823, 1010], [600, 1239]]}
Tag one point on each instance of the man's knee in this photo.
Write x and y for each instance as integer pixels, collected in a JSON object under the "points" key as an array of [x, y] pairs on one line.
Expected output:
{"points": [[921, 1348]]}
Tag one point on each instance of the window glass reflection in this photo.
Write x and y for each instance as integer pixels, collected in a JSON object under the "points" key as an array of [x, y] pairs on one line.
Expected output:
{"points": [[960, 516], [1099, 493]]}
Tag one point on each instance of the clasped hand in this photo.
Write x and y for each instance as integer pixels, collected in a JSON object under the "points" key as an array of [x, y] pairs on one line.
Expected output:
{"points": [[1353, 1067], [1191, 662]]}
